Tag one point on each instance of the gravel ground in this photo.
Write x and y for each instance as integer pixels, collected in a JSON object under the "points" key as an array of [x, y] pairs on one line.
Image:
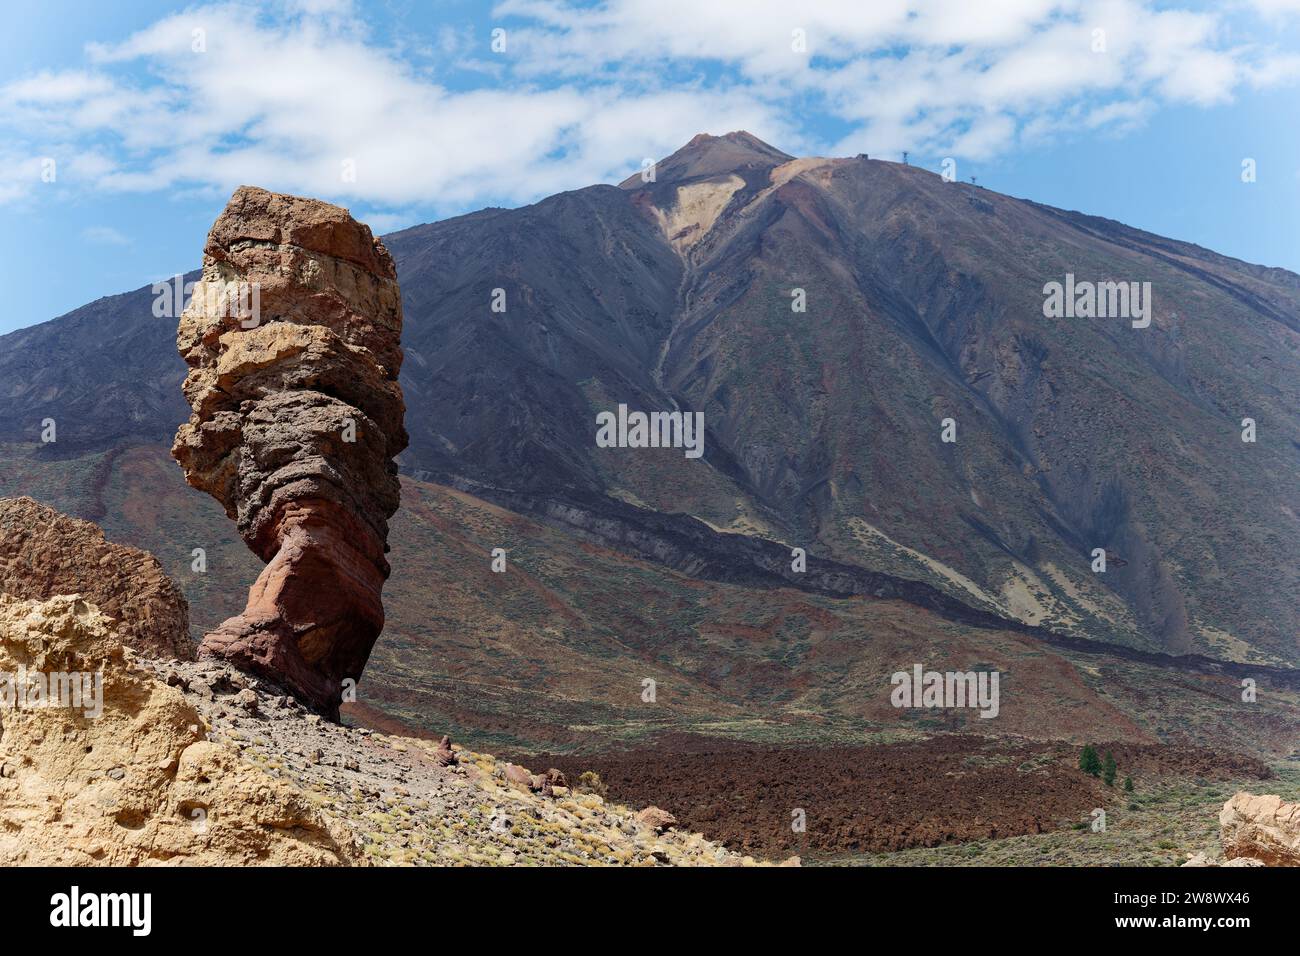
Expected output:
{"points": [[421, 802]]}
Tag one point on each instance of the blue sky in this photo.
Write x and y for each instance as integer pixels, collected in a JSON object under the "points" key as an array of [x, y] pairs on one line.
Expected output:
{"points": [[405, 112]]}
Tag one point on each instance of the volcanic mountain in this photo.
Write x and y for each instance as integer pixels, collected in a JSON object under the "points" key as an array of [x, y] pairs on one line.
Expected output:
{"points": [[828, 317]]}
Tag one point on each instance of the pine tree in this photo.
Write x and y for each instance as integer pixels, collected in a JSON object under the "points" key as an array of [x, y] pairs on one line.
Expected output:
{"points": [[1108, 772], [1089, 762], [1128, 784]]}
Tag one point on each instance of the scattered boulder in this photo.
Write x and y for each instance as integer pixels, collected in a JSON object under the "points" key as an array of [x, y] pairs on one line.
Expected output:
{"points": [[443, 755], [293, 339], [548, 784], [1203, 859], [518, 777], [656, 819], [44, 553], [551, 783]]}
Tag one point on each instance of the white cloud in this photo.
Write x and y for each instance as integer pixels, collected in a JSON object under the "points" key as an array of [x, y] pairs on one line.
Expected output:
{"points": [[919, 75], [307, 100], [104, 236], [1276, 8], [382, 223], [1119, 115], [47, 88], [985, 136]]}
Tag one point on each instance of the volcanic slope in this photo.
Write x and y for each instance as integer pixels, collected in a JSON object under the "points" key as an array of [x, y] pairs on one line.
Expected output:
{"points": [[553, 653]]}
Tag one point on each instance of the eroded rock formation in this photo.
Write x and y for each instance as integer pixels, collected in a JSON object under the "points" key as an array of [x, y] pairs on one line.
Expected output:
{"points": [[44, 553], [293, 341], [1262, 828], [128, 776]]}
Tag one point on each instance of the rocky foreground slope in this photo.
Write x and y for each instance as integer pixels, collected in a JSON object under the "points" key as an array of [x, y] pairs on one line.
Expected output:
{"points": [[196, 763]]}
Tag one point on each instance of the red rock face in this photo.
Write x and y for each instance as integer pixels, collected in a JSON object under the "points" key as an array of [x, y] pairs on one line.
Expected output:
{"points": [[293, 338], [44, 553]]}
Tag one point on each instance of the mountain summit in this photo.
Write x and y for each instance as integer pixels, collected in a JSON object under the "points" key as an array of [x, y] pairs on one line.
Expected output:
{"points": [[707, 155]]}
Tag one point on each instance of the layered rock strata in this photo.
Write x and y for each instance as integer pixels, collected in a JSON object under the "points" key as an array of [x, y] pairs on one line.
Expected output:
{"points": [[292, 337]]}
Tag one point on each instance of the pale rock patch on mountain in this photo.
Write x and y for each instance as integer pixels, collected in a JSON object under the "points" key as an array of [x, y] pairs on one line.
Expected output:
{"points": [[1092, 600], [1024, 596], [1230, 647], [876, 543], [697, 208], [817, 167]]}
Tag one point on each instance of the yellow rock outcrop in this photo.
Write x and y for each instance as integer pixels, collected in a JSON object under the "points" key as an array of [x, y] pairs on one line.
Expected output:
{"points": [[138, 782]]}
